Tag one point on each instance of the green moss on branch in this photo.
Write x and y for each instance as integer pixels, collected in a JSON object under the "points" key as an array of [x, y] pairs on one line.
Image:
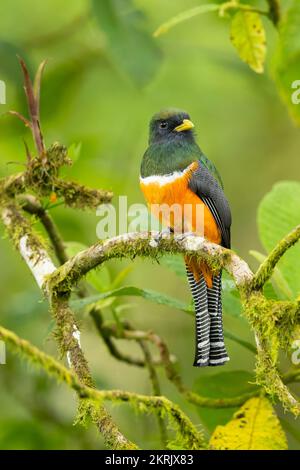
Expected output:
{"points": [[266, 269], [189, 436], [144, 245]]}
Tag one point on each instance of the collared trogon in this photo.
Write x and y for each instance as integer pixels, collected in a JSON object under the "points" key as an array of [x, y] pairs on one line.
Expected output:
{"points": [[175, 171]]}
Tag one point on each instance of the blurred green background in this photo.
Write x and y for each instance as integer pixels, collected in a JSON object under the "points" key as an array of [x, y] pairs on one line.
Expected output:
{"points": [[88, 96]]}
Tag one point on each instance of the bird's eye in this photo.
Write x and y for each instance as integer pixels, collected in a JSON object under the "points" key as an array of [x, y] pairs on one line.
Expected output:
{"points": [[163, 125]]}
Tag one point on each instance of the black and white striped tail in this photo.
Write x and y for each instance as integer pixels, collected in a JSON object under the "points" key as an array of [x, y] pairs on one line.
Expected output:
{"points": [[210, 347]]}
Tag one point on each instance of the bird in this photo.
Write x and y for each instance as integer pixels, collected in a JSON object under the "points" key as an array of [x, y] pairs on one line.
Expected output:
{"points": [[175, 171]]}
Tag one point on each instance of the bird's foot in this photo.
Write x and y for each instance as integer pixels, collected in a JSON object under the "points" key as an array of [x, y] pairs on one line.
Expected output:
{"points": [[184, 235], [155, 241]]}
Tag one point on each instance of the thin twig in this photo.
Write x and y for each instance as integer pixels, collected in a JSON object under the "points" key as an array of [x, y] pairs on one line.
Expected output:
{"points": [[68, 334], [106, 336], [193, 438], [155, 388], [32, 205]]}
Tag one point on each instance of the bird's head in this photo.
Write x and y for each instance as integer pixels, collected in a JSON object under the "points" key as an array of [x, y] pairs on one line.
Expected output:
{"points": [[169, 125]]}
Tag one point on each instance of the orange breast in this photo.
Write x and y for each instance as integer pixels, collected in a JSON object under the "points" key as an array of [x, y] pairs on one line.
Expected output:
{"points": [[164, 194], [196, 217]]}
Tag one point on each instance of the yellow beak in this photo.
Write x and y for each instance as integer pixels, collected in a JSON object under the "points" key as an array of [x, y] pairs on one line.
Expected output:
{"points": [[185, 126]]}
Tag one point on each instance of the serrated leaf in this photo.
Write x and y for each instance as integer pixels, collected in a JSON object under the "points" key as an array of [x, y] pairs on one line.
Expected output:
{"points": [[248, 36], [287, 59], [278, 214], [130, 45], [254, 426]]}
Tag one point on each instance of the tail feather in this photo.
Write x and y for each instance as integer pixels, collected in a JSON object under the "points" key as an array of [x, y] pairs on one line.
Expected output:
{"points": [[218, 354], [202, 349], [210, 348]]}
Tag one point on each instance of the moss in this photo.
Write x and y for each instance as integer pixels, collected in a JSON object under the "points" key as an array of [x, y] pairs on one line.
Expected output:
{"points": [[266, 269], [42, 178]]}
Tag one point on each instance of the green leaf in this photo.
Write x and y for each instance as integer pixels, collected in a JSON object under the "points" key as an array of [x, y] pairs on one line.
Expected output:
{"points": [[74, 151], [175, 263], [99, 278], [278, 214], [248, 36], [245, 344], [121, 276], [152, 296], [287, 59], [131, 47], [222, 384], [254, 426], [278, 279], [147, 294], [184, 16]]}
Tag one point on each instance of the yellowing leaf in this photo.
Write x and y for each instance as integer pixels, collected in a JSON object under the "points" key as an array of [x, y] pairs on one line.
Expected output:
{"points": [[254, 426], [248, 36]]}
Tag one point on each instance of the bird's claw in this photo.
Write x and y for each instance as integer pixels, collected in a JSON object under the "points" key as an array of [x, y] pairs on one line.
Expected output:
{"points": [[155, 241], [184, 235]]}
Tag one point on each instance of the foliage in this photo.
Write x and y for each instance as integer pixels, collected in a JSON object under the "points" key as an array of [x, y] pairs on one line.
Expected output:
{"points": [[254, 426], [248, 35], [278, 213], [92, 54]]}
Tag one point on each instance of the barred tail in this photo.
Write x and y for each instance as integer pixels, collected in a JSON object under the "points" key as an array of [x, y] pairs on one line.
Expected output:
{"points": [[210, 348], [199, 293], [217, 355]]}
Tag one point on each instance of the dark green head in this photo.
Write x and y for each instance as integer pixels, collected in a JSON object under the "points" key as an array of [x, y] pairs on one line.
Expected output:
{"points": [[172, 145], [171, 125]]}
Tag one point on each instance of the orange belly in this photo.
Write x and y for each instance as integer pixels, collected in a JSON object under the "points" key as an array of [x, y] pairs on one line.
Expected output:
{"points": [[162, 197]]}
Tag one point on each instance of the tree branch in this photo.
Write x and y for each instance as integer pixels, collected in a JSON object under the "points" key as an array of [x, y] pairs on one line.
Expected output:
{"points": [[172, 373], [266, 269], [192, 438], [68, 335], [31, 205], [145, 244]]}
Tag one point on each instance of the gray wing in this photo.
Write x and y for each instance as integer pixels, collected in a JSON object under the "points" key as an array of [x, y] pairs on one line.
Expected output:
{"points": [[205, 185]]}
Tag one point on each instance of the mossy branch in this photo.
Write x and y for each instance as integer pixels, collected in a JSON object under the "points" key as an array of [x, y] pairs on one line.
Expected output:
{"points": [[171, 371], [42, 178], [159, 405], [273, 322], [35, 255], [265, 316], [266, 269], [152, 245]]}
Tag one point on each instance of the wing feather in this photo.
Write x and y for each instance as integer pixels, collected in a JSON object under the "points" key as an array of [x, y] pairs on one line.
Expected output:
{"points": [[208, 188]]}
